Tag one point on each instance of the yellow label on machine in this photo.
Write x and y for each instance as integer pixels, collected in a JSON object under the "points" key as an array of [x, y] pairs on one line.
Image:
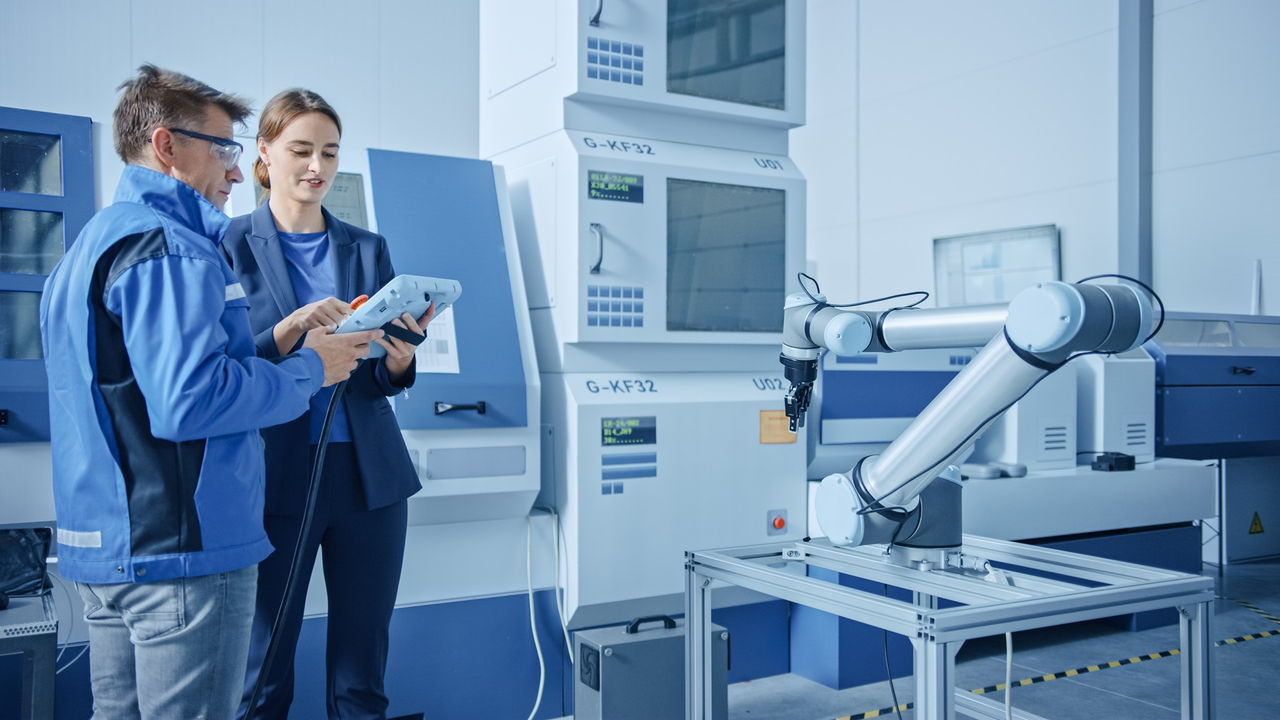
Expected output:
{"points": [[775, 428], [1255, 527]]}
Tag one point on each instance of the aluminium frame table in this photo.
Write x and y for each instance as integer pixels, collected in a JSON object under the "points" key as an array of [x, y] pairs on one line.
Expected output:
{"points": [[1046, 587]]}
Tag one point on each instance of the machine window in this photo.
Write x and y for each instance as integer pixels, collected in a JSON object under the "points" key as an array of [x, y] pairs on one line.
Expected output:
{"points": [[726, 257], [30, 163], [1201, 333], [31, 241], [20, 332], [1257, 334], [733, 50]]}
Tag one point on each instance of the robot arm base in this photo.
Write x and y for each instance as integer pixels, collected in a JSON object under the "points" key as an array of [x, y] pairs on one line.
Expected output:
{"points": [[933, 524]]}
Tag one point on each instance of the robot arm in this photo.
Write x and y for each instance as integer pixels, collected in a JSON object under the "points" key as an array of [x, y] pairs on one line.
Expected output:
{"points": [[810, 327], [1042, 328]]}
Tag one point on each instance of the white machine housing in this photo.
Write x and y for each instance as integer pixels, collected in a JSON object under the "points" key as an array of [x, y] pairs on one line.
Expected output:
{"points": [[1117, 404], [653, 464], [1039, 431], [724, 472], [535, 50], [606, 176], [555, 216]]}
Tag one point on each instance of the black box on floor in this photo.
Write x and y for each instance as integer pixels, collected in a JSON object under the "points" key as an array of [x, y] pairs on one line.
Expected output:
{"points": [[636, 671]]}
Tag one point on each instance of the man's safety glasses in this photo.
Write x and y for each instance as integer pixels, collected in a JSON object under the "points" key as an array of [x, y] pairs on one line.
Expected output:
{"points": [[228, 151]]}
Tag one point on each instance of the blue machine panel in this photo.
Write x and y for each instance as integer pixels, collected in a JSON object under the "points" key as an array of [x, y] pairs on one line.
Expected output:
{"points": [[440, 217], [842, 653], [884, 393], [1217, 386], [46, 172]]}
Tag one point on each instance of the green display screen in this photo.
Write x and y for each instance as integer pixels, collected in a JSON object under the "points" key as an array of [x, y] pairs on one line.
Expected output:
{"points": [[622, 187], [629, 430]]}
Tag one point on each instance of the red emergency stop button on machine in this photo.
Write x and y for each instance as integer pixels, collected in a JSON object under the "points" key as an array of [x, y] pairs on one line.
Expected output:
{"points": [[779, 522]]}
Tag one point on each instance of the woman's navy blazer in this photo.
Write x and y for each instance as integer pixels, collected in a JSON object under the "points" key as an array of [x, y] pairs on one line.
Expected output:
{"points": [[361, 265]]}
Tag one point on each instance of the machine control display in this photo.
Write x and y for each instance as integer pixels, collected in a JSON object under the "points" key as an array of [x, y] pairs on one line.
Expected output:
{"points": [[622, 187], [629, 430]]}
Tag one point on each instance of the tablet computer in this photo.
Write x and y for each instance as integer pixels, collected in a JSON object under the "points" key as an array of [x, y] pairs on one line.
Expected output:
{"points": [[411, 294]]}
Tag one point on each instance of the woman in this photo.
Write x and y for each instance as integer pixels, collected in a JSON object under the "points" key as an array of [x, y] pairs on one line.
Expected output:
{"points": [[300, 267]]}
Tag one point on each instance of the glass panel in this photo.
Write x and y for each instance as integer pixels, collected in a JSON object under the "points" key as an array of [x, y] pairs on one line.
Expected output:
{"points": [[994, 266], [732, 50], [1202, 333], [726, 260], [30, 241], [1256, 334], [20, 331], [30, 163]]}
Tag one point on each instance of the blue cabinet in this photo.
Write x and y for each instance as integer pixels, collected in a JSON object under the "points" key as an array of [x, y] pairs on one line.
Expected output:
{"points": [[46, 197]]}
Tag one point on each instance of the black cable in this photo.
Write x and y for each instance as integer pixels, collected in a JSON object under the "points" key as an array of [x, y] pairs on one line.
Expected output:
{"points": [[308, 513], [903, 523], [884, 635], [924, 295]]}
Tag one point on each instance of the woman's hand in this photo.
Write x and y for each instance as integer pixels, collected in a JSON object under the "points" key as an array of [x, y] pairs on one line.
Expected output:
{"points": [[399, 352], [329, 312]]}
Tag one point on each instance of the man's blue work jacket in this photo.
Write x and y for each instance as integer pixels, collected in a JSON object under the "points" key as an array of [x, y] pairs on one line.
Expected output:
{"points": [[156, 393]]}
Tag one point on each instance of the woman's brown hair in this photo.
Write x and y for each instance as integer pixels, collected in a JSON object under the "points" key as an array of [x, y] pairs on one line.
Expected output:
{"points": [[281, 110]]}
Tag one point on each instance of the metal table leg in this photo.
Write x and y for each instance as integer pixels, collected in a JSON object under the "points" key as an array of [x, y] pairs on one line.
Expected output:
{"points": [[697, 614], [935, 664], [1198, 701]]}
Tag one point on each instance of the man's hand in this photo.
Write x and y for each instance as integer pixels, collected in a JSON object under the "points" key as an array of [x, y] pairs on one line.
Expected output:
{"points": [[327, 312], [339, 353]]}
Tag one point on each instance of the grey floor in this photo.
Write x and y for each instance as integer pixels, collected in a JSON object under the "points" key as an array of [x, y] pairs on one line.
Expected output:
{"points": [[1246, 671]]}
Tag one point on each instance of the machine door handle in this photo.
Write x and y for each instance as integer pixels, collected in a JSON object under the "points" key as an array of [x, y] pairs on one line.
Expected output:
{"points": [[634, 626], [444, 407], [599, 233], [1242, 370], [595, 19]]}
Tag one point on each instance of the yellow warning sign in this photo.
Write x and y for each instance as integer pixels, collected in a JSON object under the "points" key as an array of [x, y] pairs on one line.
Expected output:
{"points": [[1255, 527], [774, 428]]}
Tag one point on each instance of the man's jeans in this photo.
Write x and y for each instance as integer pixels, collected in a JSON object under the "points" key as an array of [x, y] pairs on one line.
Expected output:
{"points": [[170, 649]]}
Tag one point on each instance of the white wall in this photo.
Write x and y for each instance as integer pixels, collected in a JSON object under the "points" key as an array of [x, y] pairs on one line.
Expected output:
{"points": [[931, 118], [970, 116], [826, 147], [1216, 154], [403, 74]]}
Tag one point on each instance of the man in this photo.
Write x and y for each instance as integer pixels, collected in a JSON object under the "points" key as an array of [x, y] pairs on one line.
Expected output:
{"points": [[156, 396]]}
